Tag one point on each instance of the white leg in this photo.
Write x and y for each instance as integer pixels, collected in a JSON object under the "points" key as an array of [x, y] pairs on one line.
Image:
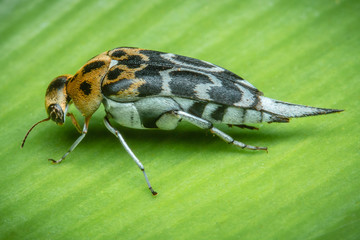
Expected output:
{"points": [[132, 155], [74, 145], [204, 124]]}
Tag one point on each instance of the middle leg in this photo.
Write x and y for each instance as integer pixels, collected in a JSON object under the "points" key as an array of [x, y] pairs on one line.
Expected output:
{"points": [[130, 152]]}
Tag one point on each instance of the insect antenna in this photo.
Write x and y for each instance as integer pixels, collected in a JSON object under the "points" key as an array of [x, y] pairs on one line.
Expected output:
{"points": [[44, 120]]}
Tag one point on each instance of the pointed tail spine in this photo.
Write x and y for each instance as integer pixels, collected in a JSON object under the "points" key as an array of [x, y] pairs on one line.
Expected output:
{"points": [[290, 110]]}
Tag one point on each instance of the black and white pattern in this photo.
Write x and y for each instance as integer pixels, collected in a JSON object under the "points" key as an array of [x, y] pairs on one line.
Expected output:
{"points": [[197, 87], [148, 89]]}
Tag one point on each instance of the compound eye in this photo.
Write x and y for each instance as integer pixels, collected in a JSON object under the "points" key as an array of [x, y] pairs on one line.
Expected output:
{"points": [[56, 113]]}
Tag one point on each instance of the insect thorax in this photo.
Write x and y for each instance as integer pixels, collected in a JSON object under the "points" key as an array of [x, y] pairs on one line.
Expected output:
{"points": [[85, 87]]}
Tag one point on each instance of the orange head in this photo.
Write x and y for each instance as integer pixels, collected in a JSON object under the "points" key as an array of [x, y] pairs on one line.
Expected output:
{"points": [[56, 102]]}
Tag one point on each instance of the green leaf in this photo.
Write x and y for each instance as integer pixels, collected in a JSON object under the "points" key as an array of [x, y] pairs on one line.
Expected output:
{"points": [[306, 187]]}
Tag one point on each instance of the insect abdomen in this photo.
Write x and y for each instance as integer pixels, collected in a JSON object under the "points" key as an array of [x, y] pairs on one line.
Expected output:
{"points": [[217, 113], [84, 88], [149, 113], [143, 113]]}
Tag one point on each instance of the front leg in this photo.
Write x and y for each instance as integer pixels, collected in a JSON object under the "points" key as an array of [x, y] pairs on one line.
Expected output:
{"points": [[74, 122], [132, 155], [83, 133]]}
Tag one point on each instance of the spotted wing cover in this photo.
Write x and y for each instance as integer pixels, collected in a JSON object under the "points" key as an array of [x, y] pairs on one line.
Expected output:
{"points": [[137, 73]]}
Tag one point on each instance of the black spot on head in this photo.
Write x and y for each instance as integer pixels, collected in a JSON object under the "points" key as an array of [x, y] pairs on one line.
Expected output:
{"points": [[91, 66], [183, 83], [114, 74], [218, 114], [57, 84], [85, 87], [118, 53], [133, 61]]}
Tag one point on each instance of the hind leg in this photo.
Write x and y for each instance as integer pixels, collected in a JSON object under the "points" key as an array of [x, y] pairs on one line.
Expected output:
{"points": [[204, 124]]}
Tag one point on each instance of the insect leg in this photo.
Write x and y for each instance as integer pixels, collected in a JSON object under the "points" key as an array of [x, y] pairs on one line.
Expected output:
{"points": [[74, 122], [73, 146], [204, 124], [127, 148]]}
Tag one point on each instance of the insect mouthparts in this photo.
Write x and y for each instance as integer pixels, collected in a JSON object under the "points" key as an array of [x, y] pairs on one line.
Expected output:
{"points": [[56, 113]]}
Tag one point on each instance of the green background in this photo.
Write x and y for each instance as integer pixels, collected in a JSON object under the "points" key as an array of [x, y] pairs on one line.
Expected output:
{"points": [[306, 187]]}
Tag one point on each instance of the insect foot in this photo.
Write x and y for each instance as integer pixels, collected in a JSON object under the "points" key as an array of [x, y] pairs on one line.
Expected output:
{"points": [[53, 161]]}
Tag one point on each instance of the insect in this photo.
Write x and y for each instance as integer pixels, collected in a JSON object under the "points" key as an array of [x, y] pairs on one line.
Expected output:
{"points": [[147, 89]]}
